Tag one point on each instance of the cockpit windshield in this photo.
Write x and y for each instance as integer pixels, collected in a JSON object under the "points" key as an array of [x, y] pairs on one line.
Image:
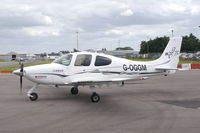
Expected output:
{"points": [[64, 60]]}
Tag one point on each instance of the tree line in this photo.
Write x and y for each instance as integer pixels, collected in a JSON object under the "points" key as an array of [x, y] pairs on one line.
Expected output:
{"points": [[190, 43]]}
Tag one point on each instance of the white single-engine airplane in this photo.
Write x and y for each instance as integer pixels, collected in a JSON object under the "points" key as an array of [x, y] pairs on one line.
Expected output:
{"points": [[95, 69]]}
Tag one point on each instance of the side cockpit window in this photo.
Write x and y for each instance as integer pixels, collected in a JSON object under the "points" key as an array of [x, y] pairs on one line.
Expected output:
{"points": [[83, 60], [102, 61], [64, 60]]}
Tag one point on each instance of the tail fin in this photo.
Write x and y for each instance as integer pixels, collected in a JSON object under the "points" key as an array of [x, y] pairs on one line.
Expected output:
{"points": [[170, 57]]}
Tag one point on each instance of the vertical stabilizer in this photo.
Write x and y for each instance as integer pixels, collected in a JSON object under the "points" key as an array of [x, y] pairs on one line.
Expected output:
{"points": [[170, 57]]}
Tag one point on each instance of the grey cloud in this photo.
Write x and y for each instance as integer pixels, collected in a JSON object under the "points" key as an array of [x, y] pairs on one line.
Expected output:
{"points": [[20, 21], [23, 24]]}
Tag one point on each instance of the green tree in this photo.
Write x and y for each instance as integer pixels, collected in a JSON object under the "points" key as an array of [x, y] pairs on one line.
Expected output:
{"points": [[189, 44], [124, 48], [64, 52], [156, 45], [43, 54]]}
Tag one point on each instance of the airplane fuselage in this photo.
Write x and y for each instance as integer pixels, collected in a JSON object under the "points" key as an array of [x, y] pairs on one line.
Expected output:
{"points": [[87, 68], [117, 70]]}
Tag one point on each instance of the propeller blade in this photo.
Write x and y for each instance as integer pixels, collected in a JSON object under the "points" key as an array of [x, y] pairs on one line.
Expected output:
{"points": [[20, 84], [21, 76], [21, 67]]}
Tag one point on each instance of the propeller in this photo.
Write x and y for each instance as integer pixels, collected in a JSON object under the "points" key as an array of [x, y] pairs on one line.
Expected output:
{"points": [[21, 75], [20, 72]]}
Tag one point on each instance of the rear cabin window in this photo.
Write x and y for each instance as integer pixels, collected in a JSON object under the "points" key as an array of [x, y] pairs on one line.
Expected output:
{"points": [[102, 61], [83, 60]]}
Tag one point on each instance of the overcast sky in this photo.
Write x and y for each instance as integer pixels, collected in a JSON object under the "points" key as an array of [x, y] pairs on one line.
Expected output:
{"points": [[38, 26]]}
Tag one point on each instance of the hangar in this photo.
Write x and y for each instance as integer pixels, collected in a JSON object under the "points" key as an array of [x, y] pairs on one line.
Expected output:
{"points": [[12, 56]]}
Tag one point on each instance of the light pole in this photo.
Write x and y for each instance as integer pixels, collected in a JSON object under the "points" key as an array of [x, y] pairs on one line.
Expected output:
{"points": [[147, 46], [172, 33], [119, 43], [77, 40]]}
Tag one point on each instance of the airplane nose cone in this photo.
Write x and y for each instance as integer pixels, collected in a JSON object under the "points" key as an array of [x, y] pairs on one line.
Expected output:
{"points": [[17, 72]]}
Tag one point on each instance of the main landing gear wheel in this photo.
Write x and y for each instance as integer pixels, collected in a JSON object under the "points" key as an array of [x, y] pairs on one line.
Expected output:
{"points": [[95, 97], [74, 91], [33, 96]]}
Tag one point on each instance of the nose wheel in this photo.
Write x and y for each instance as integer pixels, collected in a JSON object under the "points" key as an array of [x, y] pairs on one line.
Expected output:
{"points": [[33, 96], [74, 90]]}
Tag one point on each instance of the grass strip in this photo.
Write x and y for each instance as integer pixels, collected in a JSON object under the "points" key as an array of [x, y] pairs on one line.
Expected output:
{"points": [[14, 67]]}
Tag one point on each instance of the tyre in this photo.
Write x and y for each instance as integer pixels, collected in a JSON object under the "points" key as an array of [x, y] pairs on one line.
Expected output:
{"points": [[34, 96], [95, 98], [74, 91]]}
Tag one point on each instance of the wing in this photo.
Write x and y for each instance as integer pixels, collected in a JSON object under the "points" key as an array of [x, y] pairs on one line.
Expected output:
{"points": [[89, 81], [100, 76], [165, 68]]}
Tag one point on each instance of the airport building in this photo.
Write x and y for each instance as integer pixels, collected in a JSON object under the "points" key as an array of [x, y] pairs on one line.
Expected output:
{"points": [[121, 53], [13, 56]]}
